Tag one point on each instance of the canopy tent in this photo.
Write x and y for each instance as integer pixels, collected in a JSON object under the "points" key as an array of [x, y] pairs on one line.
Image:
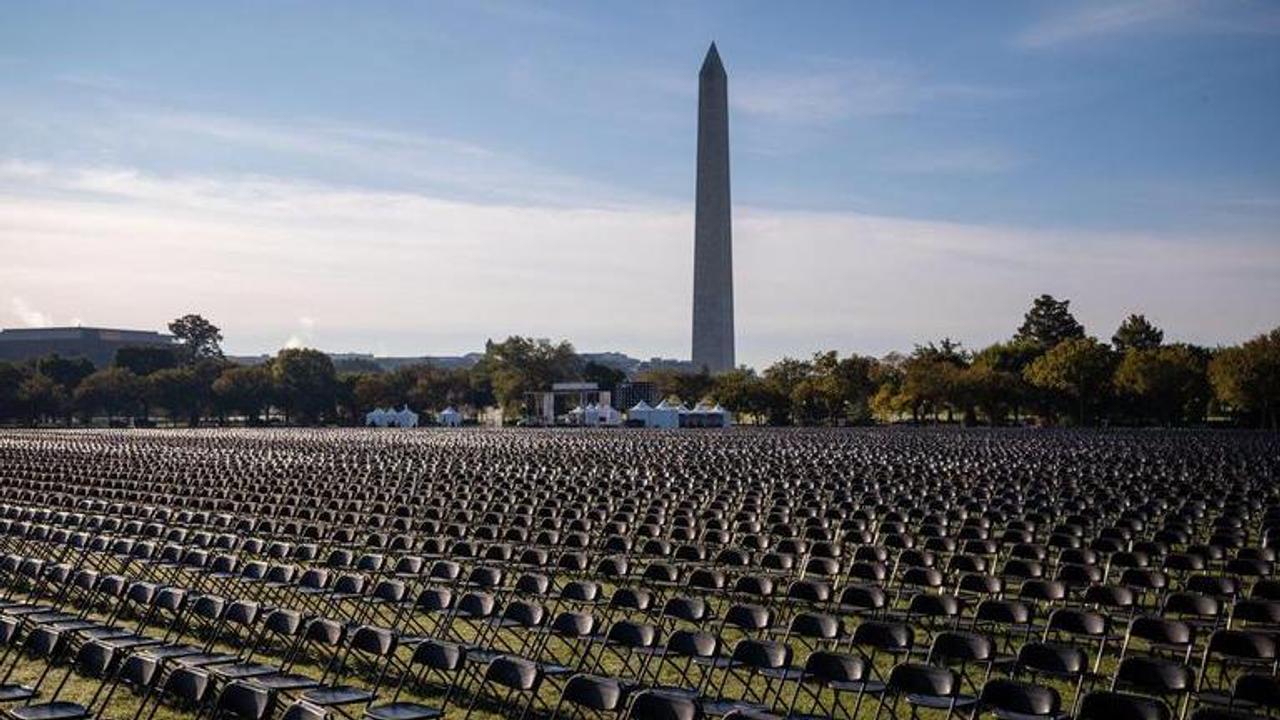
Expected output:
{"points": [[449, 417], [639, 413], [601, 414], [665, 415], [406, 418], [380, 417]]}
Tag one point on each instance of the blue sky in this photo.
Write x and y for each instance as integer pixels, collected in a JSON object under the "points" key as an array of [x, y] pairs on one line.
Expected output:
{"points": [[413, 178]]}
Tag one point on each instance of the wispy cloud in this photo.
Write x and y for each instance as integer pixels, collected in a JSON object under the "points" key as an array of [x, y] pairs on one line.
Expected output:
{"points": [[831, 91], [304, 336], [27, 315], [1102, 18], [411, 273]]}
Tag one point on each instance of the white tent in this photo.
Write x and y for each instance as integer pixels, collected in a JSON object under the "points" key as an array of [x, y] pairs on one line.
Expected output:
{"points": [[406, 418], [640, 412], [379, 418], [602, 414], [449, 417], [665, 415]]}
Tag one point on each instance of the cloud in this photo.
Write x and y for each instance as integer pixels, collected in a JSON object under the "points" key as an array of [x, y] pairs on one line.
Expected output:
{"points": [[411, 273], [828, 92], [27, 315], [304, 336], [1102, 18]]}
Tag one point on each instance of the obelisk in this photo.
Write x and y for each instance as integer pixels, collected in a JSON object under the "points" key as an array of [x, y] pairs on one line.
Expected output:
{"points": [[712, 236]]}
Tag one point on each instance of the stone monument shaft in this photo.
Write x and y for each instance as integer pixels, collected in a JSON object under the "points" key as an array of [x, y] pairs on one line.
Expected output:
{"points": [[713, 238]]}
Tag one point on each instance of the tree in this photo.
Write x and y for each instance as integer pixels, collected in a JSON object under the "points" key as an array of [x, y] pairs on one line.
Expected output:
{"points": [[376, 391], [247, 390], [1076, 372], [39, 397], [199, 338], [741, 391], [1169, 383], [305, 382], [66, 372], [1137, 333], [12, 375], [1246, 379], [603, 375], [784, 379], [182, 392], [142, 360], [1049, 322], [997, 380], [114, 391], [519, 365]]}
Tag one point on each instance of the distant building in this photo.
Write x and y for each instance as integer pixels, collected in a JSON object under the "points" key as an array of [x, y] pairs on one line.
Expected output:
{"points": [[627, 394], [98, 345]]}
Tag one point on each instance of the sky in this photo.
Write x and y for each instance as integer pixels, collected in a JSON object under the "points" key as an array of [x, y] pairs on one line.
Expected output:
{"points": [[414, 178]]}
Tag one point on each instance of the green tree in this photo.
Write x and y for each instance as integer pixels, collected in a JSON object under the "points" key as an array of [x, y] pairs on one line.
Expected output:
{"points": [[142, 360], [1137, 333], [305, 383], [784, 379], [39, 397], [247, 390], [1076, 373], [519, 365], [376, 391], [741, 391], [114, 391], [199, 338], [1168, 383], [183, 392], [66, 372], [12, 375], [997, 378], [1246, 379], [603, 375], [1049, 322]]}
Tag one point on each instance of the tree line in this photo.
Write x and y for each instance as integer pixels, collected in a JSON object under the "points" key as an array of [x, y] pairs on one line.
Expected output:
{"points": [[1049, 371]]}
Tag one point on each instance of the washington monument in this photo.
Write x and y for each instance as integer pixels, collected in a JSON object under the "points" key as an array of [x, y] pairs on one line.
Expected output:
{"points": [[712, 236]]}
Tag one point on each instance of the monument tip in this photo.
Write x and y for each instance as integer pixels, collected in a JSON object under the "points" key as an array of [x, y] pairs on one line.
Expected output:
{"points": [[712, 61]]}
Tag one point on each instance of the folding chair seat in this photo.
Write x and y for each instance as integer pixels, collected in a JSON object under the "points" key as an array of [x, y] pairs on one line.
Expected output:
{"points": [[680, 609], [750, 659], [279, 632], [629, 602], [42, 644], [1009, 699], [1110, 705], [515, 675], [966, 653], [1063, 663], [370, 646], [189, 688], [656, 705], [1204, 612], [235, 627], [1256, 692], [1255, 614], [628, 647], [1232, 652], [922, 686], [321, 637], [933, 613], [244, 701], [592, 692], [1157, 677]]}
